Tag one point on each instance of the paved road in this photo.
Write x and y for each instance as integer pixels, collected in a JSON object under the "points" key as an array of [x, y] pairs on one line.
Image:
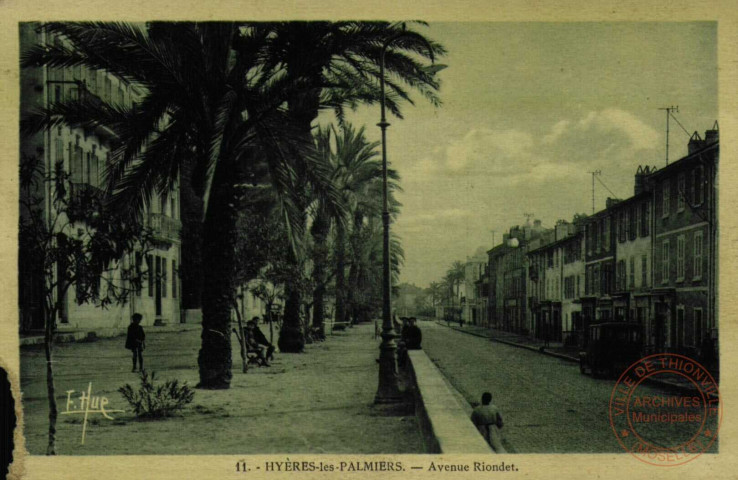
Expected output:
{"points": [[548, 406]]}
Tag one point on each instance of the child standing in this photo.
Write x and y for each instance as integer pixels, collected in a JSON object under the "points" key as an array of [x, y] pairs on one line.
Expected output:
{"points": [[135, 340]]}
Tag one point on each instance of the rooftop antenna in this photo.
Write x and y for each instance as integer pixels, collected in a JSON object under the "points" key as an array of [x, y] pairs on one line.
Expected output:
{"points": [[493, 237], [596, 172], [669, 111]]}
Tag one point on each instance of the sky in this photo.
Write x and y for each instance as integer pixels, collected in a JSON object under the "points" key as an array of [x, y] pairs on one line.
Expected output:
{"points": [[528, 110]]}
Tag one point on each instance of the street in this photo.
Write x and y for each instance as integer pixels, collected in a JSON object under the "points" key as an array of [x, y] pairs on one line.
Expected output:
{"points": [[547, 405]]}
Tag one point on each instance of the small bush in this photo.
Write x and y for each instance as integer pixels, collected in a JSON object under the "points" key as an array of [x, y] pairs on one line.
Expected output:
{"points": [[156, 401]]}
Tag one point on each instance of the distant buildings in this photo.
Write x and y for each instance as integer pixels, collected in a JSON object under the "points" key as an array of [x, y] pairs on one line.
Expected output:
{"points": [[649, 259]]}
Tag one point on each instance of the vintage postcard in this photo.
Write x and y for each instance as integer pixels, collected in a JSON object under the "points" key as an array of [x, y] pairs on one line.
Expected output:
{"points": [[347, 240]]}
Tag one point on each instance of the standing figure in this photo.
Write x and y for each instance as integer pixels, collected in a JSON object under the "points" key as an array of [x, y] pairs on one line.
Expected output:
{"points": [[488, 420], [135, 340]]}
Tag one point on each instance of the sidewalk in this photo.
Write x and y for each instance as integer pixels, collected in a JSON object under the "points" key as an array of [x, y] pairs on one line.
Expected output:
{"points": [[320, 401], [556, 350]]}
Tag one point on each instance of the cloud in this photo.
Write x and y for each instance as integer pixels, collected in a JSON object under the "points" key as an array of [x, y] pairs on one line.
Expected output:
{"points": [[601, 139]]}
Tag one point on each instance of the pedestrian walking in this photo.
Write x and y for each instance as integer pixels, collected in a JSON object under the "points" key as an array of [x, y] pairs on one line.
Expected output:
{"points": [[136, 341], [488, 420]]}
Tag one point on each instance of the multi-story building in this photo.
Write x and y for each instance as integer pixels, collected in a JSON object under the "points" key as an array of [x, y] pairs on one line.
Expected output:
{"points": [[473, 270], [507, 272], [597, 303], [573, 287], [84, 153], [685, 243], [632, 217], [547, 292]]}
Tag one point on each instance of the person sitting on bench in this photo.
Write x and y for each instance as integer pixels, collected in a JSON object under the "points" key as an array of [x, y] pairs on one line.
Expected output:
{"points": [[252, 343], [261, 338]]}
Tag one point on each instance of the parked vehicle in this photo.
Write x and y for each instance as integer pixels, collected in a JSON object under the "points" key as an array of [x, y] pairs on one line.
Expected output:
{"points": [[610, 348]]}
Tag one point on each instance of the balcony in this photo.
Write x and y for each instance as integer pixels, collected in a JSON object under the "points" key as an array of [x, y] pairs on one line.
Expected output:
{"points": [[85, 200], [164, 229]]}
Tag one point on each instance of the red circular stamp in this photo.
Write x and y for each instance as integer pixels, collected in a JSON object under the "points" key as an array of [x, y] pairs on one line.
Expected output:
{"points": [[665, 409]]}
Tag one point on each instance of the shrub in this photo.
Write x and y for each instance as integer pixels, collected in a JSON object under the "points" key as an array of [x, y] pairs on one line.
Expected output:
{"points": [[156, 401]]}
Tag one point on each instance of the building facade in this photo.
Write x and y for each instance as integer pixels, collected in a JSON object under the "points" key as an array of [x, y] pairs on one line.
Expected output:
{"points": [[685, 244], [84, 154]]}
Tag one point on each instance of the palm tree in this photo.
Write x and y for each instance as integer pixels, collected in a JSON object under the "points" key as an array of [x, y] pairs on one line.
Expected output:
{"points": [[357, 174], [208, 103], [337, 64]]}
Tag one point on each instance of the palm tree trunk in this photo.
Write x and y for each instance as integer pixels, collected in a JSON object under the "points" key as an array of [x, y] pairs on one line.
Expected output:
{"points": [[321, 229], [218, 251], [291, 338], [352, 290], [340, 274]]}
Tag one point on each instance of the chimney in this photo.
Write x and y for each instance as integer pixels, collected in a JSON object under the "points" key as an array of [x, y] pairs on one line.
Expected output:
{"points": [[712, 136], [640, 179], [537, 223], [695, 143], [611, 201]]}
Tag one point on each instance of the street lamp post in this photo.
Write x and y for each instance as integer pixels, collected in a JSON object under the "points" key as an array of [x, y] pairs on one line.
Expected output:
{"points": [[388, 390]]}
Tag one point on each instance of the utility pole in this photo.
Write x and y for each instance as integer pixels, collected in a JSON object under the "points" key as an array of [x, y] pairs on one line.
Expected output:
{"points": [[669, 111], [593, 173]]}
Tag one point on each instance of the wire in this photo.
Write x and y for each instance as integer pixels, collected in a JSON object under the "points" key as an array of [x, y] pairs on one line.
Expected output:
{"points": [[606, 187], [679, 123]]}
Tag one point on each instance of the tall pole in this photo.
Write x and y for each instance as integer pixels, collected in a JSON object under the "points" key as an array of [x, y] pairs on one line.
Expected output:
{"points": [[596, 172], [388, 390], [669, 111]]}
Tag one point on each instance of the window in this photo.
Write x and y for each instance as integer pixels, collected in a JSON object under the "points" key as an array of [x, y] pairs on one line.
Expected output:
{"points": [[150, 273], [163, 274], [606, 234], [58, 98], [698, 327], [680, 258], [621, 227], [632, 223], [665, 262], [644, 271], [681, 191], [597, 247], [175, 277], [172, 206], [644, 219], [665, 198], [679, 326], [698, 191], [631, 273], [596, 280], [578, 285], [138, 260], [697, 255], [77, 170], [59, 150]]}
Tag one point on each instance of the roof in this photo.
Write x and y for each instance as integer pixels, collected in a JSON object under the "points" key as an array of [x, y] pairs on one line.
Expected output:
{"points": [[677, 165]]}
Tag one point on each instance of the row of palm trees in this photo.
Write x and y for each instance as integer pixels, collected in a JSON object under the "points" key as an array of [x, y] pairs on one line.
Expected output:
{"points": [[230, 104], [446, 291]]}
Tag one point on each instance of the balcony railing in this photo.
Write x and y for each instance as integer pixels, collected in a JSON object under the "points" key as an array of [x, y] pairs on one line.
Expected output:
{"points": [[84, 201], [164, 228]]}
